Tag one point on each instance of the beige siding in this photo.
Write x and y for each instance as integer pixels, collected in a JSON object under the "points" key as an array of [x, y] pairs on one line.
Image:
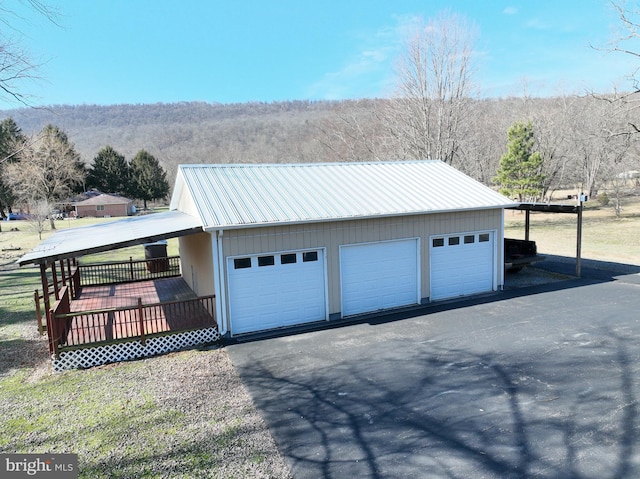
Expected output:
{"points": [[185, 202], [196, 258], [333, 234]]}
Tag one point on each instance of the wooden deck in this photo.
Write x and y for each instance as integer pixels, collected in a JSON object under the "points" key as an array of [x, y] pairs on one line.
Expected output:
{"points": [[127, 294], [112, 312]]}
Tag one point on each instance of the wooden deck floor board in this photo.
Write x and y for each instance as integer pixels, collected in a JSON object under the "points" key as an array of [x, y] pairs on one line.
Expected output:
{"points": [[114, 325]]}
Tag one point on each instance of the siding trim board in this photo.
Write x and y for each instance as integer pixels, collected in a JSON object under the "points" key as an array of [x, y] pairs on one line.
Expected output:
{"points": [[334, 220]]}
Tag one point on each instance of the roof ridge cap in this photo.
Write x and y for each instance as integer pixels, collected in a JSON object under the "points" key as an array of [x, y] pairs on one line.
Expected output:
{"points": [[308, 164]]}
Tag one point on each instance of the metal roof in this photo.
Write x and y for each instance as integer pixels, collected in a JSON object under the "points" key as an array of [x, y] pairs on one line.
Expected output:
{"points": [[103, 199], [234, 196], [121, 233]]}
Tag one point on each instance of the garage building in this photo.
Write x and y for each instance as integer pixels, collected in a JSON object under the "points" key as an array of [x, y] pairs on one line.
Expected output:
{"points": [[284, 245]]}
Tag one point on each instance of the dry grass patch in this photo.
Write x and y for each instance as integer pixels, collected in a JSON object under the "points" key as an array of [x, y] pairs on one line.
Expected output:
{"points": [[181, 415], [604, 236]]}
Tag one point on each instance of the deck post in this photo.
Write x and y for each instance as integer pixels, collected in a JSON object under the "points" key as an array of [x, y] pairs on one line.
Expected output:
{"points": [[45, 290], [141, 319], [70, 278], [77, 278], [36, 297], [62, 272], [53, 342], [131, 267], [54, 276]]}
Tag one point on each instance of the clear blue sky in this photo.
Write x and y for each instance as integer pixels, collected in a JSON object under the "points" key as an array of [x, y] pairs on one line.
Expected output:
{"points": [[148, 51]]}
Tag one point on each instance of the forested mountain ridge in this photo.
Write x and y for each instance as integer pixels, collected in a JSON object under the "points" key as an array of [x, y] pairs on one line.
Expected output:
{"points": [[572, 133], [156, 113], [191, 132]]}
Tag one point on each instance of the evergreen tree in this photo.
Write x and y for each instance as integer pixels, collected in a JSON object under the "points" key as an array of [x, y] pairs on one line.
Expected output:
{"points": [[11, 141], [110, 172], [520, 173], [148, 179]]}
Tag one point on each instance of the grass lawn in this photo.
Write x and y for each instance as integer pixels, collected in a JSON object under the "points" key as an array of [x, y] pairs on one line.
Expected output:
{"points": [[26, 238], [604, 237], [180, 415], [161, 417]]}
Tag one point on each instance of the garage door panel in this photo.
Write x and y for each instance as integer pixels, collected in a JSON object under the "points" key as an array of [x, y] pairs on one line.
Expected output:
{"points": [[288, 292], [459, 268], [376, 276]]}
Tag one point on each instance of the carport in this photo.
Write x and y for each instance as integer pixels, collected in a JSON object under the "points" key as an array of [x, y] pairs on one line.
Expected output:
{"points": [[556, 208]]}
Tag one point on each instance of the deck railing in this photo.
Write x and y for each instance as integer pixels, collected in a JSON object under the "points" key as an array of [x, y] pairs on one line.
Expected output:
{"points": [[135, 322], [57, 324], [114, 272]]}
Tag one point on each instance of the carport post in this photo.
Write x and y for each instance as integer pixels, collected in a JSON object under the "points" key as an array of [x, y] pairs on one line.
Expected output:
{"points": [[527, 224], [579, 240]]}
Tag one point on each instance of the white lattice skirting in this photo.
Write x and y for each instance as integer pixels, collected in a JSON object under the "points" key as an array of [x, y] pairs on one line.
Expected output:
{"points": [[110, 353]]}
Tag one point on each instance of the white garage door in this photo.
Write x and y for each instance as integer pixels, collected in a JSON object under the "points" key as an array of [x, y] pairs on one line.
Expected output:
{"points": [[275, 290], [377, 276], [462, 264]]}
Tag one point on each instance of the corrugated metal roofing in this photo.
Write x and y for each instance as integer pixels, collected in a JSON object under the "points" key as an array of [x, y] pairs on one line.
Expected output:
{"points": [[232, 196], [111, 235]]}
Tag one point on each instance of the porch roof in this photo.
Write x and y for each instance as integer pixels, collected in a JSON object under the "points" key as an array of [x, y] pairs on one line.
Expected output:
{"points": [[116, 234]]}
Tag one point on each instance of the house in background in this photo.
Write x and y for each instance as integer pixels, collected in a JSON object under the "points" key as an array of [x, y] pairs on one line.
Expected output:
{"points": [[104, 206], [285, 245]]}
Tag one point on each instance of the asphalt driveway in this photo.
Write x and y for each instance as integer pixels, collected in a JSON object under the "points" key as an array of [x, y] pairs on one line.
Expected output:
{"points": [[536, 382]]}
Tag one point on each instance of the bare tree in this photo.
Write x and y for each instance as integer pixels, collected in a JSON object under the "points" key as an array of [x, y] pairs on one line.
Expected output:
{"points": [[597, 147], [355, 132], [49, 168], [39, 212], [552, 119], [626, 43], [483, 143], [16, 64], [629, 16], [426, 118]]}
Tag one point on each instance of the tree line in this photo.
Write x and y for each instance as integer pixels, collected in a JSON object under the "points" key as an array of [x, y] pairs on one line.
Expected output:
{"points": [[143, 178], [38, 172], [584, 141]]}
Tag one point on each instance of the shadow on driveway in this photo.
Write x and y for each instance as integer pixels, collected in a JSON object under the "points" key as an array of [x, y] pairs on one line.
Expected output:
{"points": [[537, 383]]}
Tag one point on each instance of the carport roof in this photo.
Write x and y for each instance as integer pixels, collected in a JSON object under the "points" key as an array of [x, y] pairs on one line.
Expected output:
{"points": [[121, 233], [237, 196]]}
